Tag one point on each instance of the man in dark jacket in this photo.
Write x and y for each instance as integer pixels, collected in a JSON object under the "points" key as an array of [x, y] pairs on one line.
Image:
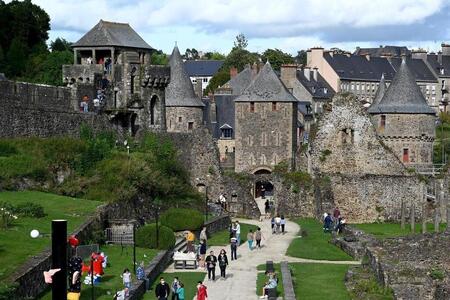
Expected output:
{"points": [[211, 261], [162, 290]]}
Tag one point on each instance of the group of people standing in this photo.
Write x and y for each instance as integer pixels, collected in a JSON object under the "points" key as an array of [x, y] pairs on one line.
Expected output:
{"points": [[278, 224], [162, 290], [334, 222]]}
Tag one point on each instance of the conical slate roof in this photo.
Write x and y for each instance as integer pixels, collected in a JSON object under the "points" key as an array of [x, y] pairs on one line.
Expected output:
{"points": [[381, 90], [240, 81], [180, 92], [403, 96], [266, 87], [112, 34]]}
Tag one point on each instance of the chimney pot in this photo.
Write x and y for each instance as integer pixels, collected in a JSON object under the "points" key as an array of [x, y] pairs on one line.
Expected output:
{"points": [[315, 71], [306, 72]]}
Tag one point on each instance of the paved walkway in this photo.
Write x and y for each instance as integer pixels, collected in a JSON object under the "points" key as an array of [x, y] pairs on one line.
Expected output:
{"points": [[241, 274]]}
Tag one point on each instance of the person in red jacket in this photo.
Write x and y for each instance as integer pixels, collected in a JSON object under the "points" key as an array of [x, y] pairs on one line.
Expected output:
{"points": [[202, 294], [98, 261]]}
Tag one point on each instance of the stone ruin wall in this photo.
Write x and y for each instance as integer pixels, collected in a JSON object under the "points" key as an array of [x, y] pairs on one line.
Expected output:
{"points": [[42, 110], [368, 182]]}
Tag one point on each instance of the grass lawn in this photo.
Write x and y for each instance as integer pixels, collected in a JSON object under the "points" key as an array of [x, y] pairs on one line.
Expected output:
{"points": [[387, 230], [189, 279], [16, 245], [262, 279], [111, 280], [315, 244], [222, 238], [319, 281]]}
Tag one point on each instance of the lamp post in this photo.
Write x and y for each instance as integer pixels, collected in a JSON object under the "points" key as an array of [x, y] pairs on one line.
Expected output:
{"points": [[206, 203]]}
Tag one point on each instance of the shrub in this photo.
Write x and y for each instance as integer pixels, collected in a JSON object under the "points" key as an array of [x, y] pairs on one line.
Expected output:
{"points": [[182, 219], [6, 215], [29, 209], [146, 237], [437, 274], [6, 149]]}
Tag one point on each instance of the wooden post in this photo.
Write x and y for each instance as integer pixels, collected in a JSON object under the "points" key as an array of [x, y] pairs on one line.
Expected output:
{"points": [[403, 212]]}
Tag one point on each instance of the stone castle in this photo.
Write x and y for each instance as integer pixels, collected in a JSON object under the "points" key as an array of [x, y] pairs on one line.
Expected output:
{"points": [[250, 125]]}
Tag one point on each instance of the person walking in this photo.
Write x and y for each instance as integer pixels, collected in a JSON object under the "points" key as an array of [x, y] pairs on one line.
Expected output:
{"points": [[223, 263], [272, 223], [190, 238], [250, 240], [202, 293], [258, 237], [267, 208], [211, 261], [180, 292], [238, 233], [140, 275], [203, 235], [277, 224], [233, 246], [126, 277], [202, 254], [175, 286], [283, 223], [162, 290], [336, 215]]}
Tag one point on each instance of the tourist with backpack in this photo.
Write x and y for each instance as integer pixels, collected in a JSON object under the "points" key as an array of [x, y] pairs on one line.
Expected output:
{"points": [[223, 263]]}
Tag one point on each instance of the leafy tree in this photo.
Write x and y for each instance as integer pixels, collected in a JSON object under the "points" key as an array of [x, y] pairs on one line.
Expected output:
{"points": [[47, 68], [159, 58], [277, 57], [214, 56], [220, 78], [16, 58], [301, 57], [241, 41], [191, 54], [60, 44]]}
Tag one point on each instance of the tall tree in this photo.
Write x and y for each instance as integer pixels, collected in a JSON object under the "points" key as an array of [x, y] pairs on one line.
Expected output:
{"points": [[16, 58], [60, 44], [159, 58], [214, 56], [191, 54], [277, 57], [241, 41], [301, 57]]}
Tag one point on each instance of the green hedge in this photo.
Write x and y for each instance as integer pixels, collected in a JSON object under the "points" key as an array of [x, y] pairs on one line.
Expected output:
{"points": [[182, 219], [146, 237]]}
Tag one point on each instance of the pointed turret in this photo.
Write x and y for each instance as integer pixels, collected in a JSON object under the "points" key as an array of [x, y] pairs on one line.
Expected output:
{"points": [[403, 96], [266, 87], [380, 92], [180, 92]]}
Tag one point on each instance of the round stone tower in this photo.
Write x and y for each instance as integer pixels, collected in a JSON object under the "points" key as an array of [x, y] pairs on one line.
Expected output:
{"points": [[404, 121], [184, 110]]}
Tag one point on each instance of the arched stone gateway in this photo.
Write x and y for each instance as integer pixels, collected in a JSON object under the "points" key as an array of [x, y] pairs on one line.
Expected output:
{"points": [[263, 189], [262, 171]]}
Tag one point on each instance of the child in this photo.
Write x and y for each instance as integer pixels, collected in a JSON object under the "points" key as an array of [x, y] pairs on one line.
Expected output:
{"points": [[126, 276]]}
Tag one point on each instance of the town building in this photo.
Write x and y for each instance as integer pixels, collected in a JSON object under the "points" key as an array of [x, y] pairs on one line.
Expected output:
{"points": [[184, 110], [201, 71], [404, 121], [383, 51], [360, 75], [265, 125]]}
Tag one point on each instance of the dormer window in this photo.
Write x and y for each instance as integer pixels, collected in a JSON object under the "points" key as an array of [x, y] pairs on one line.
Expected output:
{"points": [[226, 132]]}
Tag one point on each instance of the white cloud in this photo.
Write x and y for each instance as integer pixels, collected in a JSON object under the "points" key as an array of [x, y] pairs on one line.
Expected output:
{"points": [[288, 22]]}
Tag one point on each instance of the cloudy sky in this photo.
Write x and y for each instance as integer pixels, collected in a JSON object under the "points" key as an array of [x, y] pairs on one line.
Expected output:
{"points": [[286, 24]]}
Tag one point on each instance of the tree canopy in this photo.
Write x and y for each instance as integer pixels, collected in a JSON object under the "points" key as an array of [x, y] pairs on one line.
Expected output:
{"points": [[277, 58]]}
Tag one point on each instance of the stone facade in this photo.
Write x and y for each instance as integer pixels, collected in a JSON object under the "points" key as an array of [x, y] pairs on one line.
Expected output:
{"points": [[265, 136], [183, 119], [368, 182], [408, 132]]}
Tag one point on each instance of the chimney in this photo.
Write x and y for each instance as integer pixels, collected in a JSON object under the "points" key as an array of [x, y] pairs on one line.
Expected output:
{"points": [[419, 54], [233, 72], [445, 49], [307, 73], [315, 74], [288, 72]]}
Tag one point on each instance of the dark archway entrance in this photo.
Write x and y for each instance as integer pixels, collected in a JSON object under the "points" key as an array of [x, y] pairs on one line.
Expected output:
{"points": [[263, 188]]}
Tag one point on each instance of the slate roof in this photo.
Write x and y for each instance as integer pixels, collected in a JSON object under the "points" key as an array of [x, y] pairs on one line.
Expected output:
{"points": [[241, 81], [355, 67], [317, 88], [266, 87], [180, 91], [112, 34], [403, 96], [437, 63], [395, 51], [202, 68], [224, 113], [381, 90], [418, 68]]}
